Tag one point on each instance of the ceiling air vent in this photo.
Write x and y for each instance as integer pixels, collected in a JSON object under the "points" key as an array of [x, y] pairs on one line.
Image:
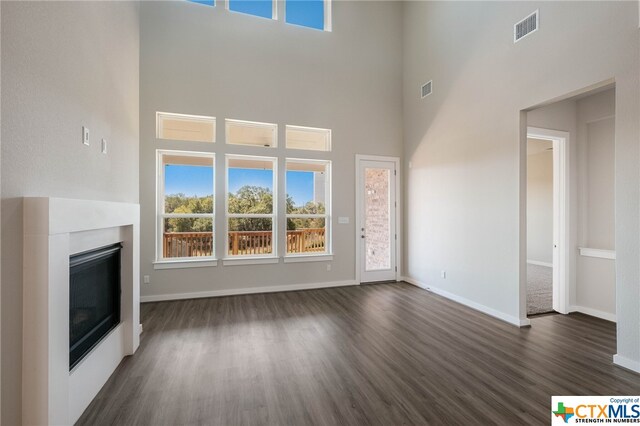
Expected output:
{"points": [[426, 88], [525, 27]]}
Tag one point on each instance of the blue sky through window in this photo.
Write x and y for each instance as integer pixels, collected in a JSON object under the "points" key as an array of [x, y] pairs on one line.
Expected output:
{"points": [[205, 2], [198, 181], [262, 8], [252, 177], [300, 187], [308, 13], [188, 180]]}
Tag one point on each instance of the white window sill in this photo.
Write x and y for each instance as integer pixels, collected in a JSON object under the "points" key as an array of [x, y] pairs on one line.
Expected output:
{"points": [[308, 258], [250, 260], [185, 263]]}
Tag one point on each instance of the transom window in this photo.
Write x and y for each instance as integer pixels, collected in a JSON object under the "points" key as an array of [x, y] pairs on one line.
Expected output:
{"points": [[309, 13], [185, 204], [261, 8], [204, 2], [314, 14], [252, 133], [185, 127], [309, 138], [251, 211]]}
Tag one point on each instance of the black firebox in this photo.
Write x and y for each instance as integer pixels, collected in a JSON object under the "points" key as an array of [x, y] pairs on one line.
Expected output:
{"points": [[94, 299]]}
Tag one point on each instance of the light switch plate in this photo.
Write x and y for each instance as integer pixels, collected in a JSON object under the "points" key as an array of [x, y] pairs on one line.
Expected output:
{"points": [[85, 135], [343, 220]]}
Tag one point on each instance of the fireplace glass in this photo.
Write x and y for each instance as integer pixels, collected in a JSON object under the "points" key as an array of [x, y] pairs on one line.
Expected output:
{"points": [[94, 299]]}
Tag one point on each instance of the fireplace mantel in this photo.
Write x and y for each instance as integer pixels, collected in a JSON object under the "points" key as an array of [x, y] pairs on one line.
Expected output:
{"points": [[54, 229]]}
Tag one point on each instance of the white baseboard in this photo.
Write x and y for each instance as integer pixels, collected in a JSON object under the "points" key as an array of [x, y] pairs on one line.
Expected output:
{"points": [[477, 306], [248, 290], [535, 262], [627, 363], [594, 313]]}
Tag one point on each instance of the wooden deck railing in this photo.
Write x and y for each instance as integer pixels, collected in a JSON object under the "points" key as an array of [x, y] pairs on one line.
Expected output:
{"points": [[305, 240], [191, 244], [250, 242], [187, 244]]}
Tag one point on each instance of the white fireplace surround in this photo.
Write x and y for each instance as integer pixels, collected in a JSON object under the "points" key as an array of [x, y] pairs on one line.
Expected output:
{"points": [[54, 229]]}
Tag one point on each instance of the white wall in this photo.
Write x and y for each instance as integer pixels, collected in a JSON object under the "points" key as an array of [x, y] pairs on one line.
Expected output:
{"points": [[64, 65], [540, 204], [463, 191], [596, 279], [209, 61]]}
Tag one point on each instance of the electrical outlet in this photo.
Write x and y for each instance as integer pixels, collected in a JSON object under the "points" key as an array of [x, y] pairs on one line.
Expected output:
{"points": [[146, 279], [85, 135], [443, 274], [328, 267], [103, 147]]}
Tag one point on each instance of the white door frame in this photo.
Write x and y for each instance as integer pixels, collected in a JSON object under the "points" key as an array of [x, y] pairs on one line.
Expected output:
{"points": [[561, 223], [398, 206]]}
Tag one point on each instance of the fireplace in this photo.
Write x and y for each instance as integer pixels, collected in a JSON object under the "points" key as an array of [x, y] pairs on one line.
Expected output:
{"points": [[57, 308], [94, 299]]}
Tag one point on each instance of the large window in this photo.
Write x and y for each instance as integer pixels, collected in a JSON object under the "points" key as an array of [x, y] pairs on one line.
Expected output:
{"points": [[251, 210], [309, 13], [261, 8], [185, 205], [308, 184]]}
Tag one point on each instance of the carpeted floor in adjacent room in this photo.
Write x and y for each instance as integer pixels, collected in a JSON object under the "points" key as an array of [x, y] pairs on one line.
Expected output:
{"points": [[539, 289]]}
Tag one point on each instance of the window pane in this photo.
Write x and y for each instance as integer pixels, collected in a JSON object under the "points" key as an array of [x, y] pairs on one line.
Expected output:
{"points": [[249, 236], [205, 2], [308, 138], [188, 184], [377, 205], [187, 237], [250, 186], [306, 187], [262, 8], [306, 235], [182, 127], [251, 133], [308, 13]]}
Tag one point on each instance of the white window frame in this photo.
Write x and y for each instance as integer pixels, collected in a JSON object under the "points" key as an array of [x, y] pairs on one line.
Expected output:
{"points": [[272, 126], [160, 116], [328, 27], [328, 251], [252, 258], [161, 215]]}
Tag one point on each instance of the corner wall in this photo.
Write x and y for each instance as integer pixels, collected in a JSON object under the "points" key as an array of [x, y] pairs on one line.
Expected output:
{"points": [[210, 61], [463, 141], [64, 65]]}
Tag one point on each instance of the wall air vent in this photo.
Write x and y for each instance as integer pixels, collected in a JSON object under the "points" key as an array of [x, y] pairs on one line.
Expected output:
{"points": [[427, 88], [525, 27]]}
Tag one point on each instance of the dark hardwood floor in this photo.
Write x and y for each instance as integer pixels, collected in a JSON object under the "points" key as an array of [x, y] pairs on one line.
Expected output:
{"points": [[387, 354]]}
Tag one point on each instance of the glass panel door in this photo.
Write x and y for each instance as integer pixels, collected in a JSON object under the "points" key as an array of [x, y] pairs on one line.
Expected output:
{"points": [[377, 220]]}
